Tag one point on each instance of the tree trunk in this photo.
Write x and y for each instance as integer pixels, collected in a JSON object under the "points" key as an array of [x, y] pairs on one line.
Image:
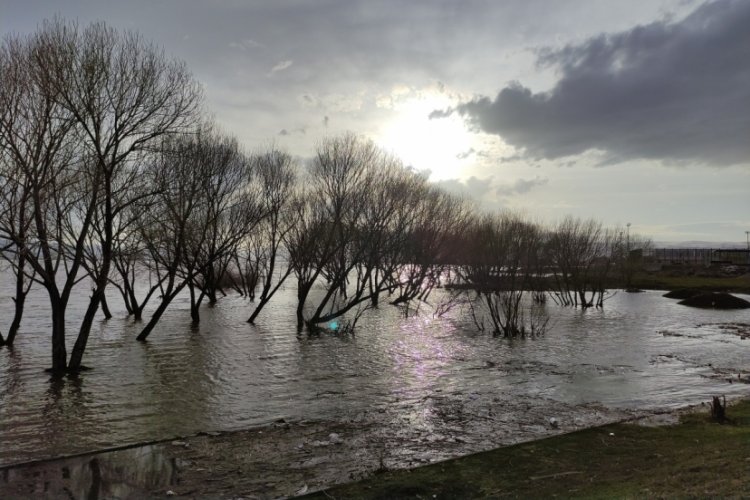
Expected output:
{"points": [[166, 300], [153, 320], [212, 299], [59, 353], [267, 294], [20, 300], [76, 356], [195, 314], [303, 289], [261, 304], [105, 307]]}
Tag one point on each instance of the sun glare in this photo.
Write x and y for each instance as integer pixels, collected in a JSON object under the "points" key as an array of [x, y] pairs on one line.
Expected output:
{"points": [[440, 145]]}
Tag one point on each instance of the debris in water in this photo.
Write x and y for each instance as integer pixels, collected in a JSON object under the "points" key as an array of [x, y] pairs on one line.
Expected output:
{"points": [[554, 423]]}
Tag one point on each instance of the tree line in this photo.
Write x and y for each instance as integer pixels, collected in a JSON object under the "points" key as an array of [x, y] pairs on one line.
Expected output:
{"points": [[113, 177]]}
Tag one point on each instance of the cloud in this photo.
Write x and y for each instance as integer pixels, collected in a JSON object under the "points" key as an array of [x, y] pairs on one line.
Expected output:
{"points": [[672, 91], [246, 44], [465, 154], [440, 113], [521, 186], [473, 187], [281, 66], [476, 188], [309, 100]]}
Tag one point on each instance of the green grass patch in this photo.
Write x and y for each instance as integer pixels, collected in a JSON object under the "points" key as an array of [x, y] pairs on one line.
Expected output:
{"points": [[662, 281], [695, 458]]}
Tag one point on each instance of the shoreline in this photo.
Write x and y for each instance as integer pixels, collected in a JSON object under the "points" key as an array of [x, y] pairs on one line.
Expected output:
{"points": [[284, 459], [693, 456]]}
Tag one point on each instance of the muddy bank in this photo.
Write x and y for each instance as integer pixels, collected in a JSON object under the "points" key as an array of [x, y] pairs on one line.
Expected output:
{"points": [[683, 293], [696, 457], [716, 300], [289, 458]]}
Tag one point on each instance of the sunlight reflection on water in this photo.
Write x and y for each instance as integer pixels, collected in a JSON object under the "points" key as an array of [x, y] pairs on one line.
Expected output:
{"points": [[641, 351]]}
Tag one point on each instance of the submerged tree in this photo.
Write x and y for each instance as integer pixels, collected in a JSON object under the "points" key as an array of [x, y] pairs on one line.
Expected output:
{"points": [[276, 174], [352, 227], [39, 163], [86, 104], [428, 250], [320, 244], [580, 253], [206, 206], [369, 235], [503, 254]]}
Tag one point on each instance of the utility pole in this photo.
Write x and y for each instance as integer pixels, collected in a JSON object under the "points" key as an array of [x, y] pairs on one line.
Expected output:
{"points": [[628, 238]]}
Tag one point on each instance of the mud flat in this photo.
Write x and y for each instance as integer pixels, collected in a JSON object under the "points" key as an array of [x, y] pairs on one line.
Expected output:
{"points": [[291, 458]]}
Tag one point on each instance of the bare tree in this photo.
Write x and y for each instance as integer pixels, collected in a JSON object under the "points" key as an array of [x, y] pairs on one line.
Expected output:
{"points": [[40, 162], [207, 206], [276, 175], [628, 251], [244, 271], [321, 243], [93, 100], [426, 254], [124, 94], [309, 244], [580, 255], [366, 228], [371, 234], [501, 264], [15, 219], [130, 259]]}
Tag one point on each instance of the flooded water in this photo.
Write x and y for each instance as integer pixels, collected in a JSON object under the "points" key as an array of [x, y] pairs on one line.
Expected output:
{"points": [[640, 351]]}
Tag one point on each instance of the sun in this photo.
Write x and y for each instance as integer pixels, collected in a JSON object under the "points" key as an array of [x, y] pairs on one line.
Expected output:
{"points": [[441, 145]]}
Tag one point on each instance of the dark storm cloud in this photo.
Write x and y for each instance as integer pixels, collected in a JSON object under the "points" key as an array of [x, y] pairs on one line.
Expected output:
{"points": [[675, 91]]}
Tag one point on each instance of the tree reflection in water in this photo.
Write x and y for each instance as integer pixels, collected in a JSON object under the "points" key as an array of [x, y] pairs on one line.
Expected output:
{"points": [[124, 473]]}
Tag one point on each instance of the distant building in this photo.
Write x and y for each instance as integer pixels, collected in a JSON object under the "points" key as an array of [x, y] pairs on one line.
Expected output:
{"points": [[691, 256], [736, 256], [700, 256]]}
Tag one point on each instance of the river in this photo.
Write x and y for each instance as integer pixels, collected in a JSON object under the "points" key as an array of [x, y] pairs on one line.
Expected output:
{"points": [[641, 351]]}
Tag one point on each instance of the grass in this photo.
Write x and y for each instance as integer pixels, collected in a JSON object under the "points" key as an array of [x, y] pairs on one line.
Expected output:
{"points": [[695, 458], [663, 281]]}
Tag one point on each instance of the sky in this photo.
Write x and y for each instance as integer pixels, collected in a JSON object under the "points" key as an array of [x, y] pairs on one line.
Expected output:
{"points": [[628, 111]]}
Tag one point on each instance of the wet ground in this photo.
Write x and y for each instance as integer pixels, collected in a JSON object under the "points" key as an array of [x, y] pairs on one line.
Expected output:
{"points": [[291, 458]]}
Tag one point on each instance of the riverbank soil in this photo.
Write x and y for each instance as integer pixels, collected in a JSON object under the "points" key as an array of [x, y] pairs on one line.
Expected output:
{"points": [[693, 458], [287, 459]]}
